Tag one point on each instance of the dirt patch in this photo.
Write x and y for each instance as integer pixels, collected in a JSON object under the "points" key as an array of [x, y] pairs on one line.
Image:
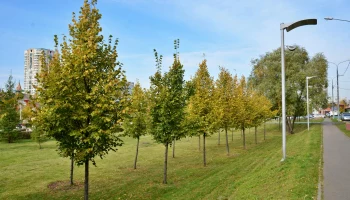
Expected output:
{"points": [[65, 185]]}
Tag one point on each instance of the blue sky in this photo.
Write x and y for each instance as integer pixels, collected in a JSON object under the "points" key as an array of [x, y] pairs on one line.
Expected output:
{"points": [[229, 32]]}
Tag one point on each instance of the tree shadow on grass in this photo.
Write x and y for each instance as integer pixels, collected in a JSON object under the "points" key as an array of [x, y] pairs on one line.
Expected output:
{"points": [[58, 186]]}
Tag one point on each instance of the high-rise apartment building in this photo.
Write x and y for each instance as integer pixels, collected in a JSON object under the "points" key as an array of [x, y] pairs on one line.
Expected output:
{"points": [[32, 66]]}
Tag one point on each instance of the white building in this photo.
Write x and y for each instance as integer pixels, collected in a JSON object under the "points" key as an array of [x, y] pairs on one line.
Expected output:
{"points": [[32, 66]]}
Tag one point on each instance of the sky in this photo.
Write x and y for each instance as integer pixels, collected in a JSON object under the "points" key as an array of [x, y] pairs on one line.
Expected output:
{"points": [[228, 33]]}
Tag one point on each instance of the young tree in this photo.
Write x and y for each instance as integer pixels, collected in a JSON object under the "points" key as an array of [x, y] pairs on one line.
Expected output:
{"points": [[243, 118], [167, 108], [83, 100], [261, 111], [9, 117], [200, 105], [224, 105], [135, 124]]}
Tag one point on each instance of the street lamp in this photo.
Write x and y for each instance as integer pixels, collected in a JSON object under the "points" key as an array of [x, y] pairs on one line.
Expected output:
{"points": [[288, 27], [307, 100], [331, 18], [338, 85], [332, 99]]}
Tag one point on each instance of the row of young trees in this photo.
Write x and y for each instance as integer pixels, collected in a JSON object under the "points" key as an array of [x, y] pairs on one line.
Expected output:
{"points": [[85, 106]]}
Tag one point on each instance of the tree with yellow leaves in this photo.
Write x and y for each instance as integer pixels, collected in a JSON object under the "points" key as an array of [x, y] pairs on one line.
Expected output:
{"points": [[200, 106]]}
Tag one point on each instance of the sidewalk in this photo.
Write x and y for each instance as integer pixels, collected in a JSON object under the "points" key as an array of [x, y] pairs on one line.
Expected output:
{"points": [[336, 157]]}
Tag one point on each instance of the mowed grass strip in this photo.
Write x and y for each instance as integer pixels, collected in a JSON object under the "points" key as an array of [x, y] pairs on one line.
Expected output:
{"points": [[255, 173]]}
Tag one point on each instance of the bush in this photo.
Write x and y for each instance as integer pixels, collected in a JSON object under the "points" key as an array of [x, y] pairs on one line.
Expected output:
{"points": [[25, 135]]}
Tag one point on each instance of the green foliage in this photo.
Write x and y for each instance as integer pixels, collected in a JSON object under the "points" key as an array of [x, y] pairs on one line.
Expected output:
{"points": [[266, 73], [135, 123], [39, 136], [82, 91], [224, 103], [200, 105], [9, 117], [168, 102]]}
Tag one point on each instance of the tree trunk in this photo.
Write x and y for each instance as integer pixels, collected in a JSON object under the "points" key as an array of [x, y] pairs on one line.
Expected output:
{"points": [[71, 169], [165, 164], [256, 139], [227, 147], [174, 149], [243, 133], [39, 144], [290, 125], [199, 142], [204, 156], [264, 130], [137, 151], [219, 137], [86, 183]]}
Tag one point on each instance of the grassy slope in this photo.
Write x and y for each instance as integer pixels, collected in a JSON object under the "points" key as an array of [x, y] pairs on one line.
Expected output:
{"points": [[256, 173]]}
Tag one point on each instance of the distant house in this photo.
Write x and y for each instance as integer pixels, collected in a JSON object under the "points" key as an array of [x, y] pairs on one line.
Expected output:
{"points": [[330, 110]]}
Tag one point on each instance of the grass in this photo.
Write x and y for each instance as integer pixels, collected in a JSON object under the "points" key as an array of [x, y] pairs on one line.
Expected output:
{"points": [[255, 173], [342, 127]]}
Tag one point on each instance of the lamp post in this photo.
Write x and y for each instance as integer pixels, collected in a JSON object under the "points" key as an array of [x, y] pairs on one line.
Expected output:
{"points": [[307, 100], [344, 20], [338, 84], [331, 18], [332, 99], [288, 27]]}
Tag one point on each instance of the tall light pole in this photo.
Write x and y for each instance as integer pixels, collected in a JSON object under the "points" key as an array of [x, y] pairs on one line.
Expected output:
{"points": [[307, 100], [344, 20], [331, 18], [338, 113], [288, 27], [332, 98]]}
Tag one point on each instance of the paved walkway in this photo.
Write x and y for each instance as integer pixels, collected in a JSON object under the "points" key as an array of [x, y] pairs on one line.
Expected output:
{"points": [[336, 157]]}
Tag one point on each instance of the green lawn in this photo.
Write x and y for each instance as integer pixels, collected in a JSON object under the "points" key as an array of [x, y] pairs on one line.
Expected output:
{"points": [[255, 173]]}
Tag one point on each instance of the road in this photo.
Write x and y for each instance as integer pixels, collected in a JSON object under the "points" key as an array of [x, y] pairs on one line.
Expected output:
{"points": [[336, 158]]}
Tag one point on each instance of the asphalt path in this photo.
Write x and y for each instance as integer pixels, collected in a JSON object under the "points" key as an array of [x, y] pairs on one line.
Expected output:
{"points": [[336, 167]]}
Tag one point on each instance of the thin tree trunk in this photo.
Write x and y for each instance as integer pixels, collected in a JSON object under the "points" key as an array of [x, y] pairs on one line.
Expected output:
{"points": [[264, 130], [165, 164], [86, 183], [290, 126], [71, 169], [39, 144], [227, 147], [174, 149], [204, 156], [199, 142], [256, 139], [137, 151], [243, 132], [219, 137]]}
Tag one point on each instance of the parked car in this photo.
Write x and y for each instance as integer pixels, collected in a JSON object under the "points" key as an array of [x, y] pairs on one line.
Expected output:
{"points": [[310, 116], [345, 116]]}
